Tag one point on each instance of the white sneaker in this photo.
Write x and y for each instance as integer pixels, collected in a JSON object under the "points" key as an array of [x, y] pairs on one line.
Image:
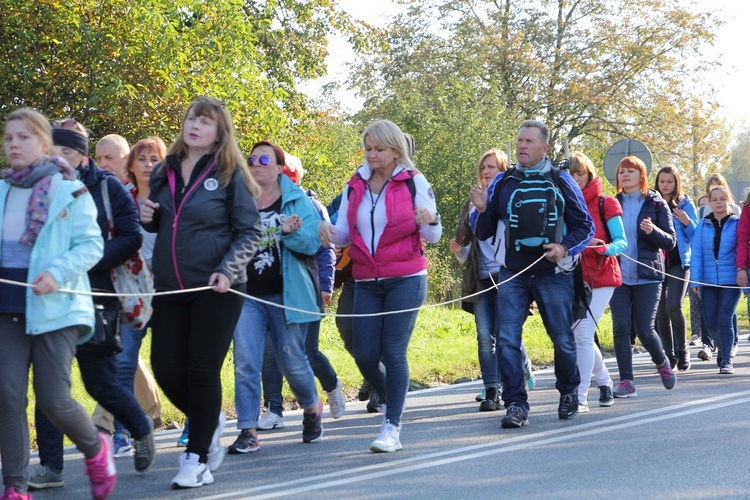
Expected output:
{"points": [[336, 400], [583, 407], [216, 452], [192, 473], [269, 420], [388, 441]]}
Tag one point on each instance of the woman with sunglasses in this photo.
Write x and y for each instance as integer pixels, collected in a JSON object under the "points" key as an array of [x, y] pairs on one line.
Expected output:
{"points": [[203, 210], [283, 272], [387, 209]]}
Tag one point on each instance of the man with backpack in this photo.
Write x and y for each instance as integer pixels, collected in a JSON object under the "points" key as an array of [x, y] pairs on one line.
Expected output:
{"points": [[547, 224]]}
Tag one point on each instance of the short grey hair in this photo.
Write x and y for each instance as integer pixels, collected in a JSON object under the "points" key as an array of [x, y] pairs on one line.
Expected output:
{"points": [[543, 130]]}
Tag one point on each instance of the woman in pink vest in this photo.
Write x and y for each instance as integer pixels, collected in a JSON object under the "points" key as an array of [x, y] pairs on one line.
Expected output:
{"points": [[389, 208]]}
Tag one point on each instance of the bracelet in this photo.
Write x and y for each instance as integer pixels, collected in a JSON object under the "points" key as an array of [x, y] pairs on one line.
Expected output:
{"points": [[739, 269]]}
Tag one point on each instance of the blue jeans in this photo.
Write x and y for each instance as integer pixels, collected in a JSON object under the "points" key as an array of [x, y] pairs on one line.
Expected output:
{"points": [[484, 317], [386, 338], [98, 375], [273, 379], [126, 363], [288, 343], [635, 306], [719, 313], [553, 294]]}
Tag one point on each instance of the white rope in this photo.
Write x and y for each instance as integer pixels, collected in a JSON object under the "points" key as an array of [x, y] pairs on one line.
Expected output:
{"points": [[699, 283], [281, 306]]}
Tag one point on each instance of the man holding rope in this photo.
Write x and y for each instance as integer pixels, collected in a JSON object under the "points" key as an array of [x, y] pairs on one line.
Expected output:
{"points": [[534, 196]]}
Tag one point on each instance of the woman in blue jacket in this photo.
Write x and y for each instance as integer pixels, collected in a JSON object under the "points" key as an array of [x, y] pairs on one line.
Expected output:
{"points": [[649, 231], [670, 320], [282, 272], [49, 240], [714, 273]]}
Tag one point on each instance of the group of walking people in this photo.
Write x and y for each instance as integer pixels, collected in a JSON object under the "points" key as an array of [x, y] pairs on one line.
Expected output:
{"points": [[247, 257]]}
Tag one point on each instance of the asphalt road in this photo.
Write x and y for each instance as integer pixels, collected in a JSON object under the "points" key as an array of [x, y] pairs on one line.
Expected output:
{"points": [[690, 442]]}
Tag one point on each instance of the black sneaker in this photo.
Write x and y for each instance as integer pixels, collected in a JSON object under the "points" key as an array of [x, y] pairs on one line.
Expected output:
{"points": [[515, 416], [364, 391], [312, 425], [568, 406], [683, 363], [375, 403], [145, 452], [245, 443], [491, 401], [605, 395]]}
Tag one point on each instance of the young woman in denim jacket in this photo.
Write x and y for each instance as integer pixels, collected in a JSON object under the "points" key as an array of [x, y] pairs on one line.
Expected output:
{"points": [[649, 231], [670, 320], [714, 273], [50, 239]]}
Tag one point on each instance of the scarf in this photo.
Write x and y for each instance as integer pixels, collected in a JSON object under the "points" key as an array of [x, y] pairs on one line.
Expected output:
{"points": [[38, 176]]}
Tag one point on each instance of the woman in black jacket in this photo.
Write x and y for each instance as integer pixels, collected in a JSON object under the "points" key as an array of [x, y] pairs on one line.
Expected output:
{"points": [[98, 371], [202, 207]]}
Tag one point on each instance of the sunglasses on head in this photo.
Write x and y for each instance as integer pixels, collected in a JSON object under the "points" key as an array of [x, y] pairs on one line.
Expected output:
{"points": [[263, 160], [66, 124]]}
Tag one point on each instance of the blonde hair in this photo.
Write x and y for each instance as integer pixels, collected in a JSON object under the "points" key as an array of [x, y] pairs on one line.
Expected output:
{"points": [[715, 177], [725, 188], [36, 122], [500, 157], [580, 163], [228, 156], [386, 133]]}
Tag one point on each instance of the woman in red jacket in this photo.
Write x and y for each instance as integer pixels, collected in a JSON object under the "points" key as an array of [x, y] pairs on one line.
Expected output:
{"points": [[602, 272]]}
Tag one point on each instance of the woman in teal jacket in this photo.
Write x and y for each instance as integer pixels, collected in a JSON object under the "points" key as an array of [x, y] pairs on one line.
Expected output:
{"points": [[49, 239], [282, 272]]}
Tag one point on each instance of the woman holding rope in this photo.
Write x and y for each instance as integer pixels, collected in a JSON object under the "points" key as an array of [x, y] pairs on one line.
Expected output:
{"points": [[670, 320], [202, 207], [649, 231], [480, 258], [50, 239], [714, 273], [601, 271], [386, 210]]}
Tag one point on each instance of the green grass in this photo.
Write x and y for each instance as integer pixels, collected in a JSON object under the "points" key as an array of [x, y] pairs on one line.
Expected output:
{"points": [[442, 350]]}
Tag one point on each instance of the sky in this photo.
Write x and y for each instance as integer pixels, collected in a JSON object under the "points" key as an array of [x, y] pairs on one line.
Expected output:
{"points": [[732, 80]]}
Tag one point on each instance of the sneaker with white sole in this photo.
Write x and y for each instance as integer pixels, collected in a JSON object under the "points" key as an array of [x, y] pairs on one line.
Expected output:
{"points": [[270, 420], [101, 469], [216, 452], [312, 424], [184, 438], [389, 439], [121, 445], [625, 389], [705, 353], [245, 443], [337, 400], [606, 398], [145, 451], [583, 407], [192, 473], [44, 477]]}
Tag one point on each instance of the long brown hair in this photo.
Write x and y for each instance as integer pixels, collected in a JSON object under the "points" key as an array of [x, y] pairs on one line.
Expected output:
{"points": [[228, 156], [677, 194]]}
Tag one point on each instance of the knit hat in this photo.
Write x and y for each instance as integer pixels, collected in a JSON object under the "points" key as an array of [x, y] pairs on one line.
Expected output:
{"points": [[70, 139]]}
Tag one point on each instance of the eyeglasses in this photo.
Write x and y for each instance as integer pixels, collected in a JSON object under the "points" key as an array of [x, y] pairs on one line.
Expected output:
{"points": [[263, 160]]}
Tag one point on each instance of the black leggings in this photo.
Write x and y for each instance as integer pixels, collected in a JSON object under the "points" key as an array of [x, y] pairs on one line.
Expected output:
{"points": [[191, 334]]}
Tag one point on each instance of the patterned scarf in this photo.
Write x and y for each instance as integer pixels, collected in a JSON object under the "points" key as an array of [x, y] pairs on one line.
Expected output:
{"points": [[38, 176]]}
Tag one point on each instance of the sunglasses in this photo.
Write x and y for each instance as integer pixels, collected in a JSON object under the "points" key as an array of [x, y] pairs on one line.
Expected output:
{"points": [[66, 124], [263, 160]]}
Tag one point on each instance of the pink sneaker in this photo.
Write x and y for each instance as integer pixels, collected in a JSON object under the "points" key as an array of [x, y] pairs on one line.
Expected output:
{"points": [[101, 470], [12, 494]]}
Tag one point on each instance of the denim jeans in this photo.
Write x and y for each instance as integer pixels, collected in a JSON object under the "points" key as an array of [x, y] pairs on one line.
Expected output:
{"points": [[98, 375], [126, 363], [386, 338], [484, 317], [273, 379], [553, 293], [634, 306], [719, 313], [288, 343]]}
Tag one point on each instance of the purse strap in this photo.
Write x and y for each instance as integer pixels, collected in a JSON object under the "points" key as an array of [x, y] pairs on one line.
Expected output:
{"points": [[107, 208]]}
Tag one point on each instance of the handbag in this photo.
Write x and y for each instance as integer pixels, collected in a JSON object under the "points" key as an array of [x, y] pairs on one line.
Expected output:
{"points": [[106, 340], [131, 277]]}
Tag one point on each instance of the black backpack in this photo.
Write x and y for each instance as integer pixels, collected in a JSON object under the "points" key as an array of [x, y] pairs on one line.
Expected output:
{"points": [[535, 210]]}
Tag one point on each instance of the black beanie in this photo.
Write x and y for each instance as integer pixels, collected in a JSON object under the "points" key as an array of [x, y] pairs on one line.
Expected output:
{"points": [[70, 139]]}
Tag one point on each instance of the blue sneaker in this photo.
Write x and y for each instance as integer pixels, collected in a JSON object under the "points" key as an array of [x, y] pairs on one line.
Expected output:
{"points": [[121, 445], [528, 375], [184, 437]]}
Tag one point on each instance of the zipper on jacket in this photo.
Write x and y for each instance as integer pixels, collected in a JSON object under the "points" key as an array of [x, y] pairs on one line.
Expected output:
{"points": [[175, 222]]}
